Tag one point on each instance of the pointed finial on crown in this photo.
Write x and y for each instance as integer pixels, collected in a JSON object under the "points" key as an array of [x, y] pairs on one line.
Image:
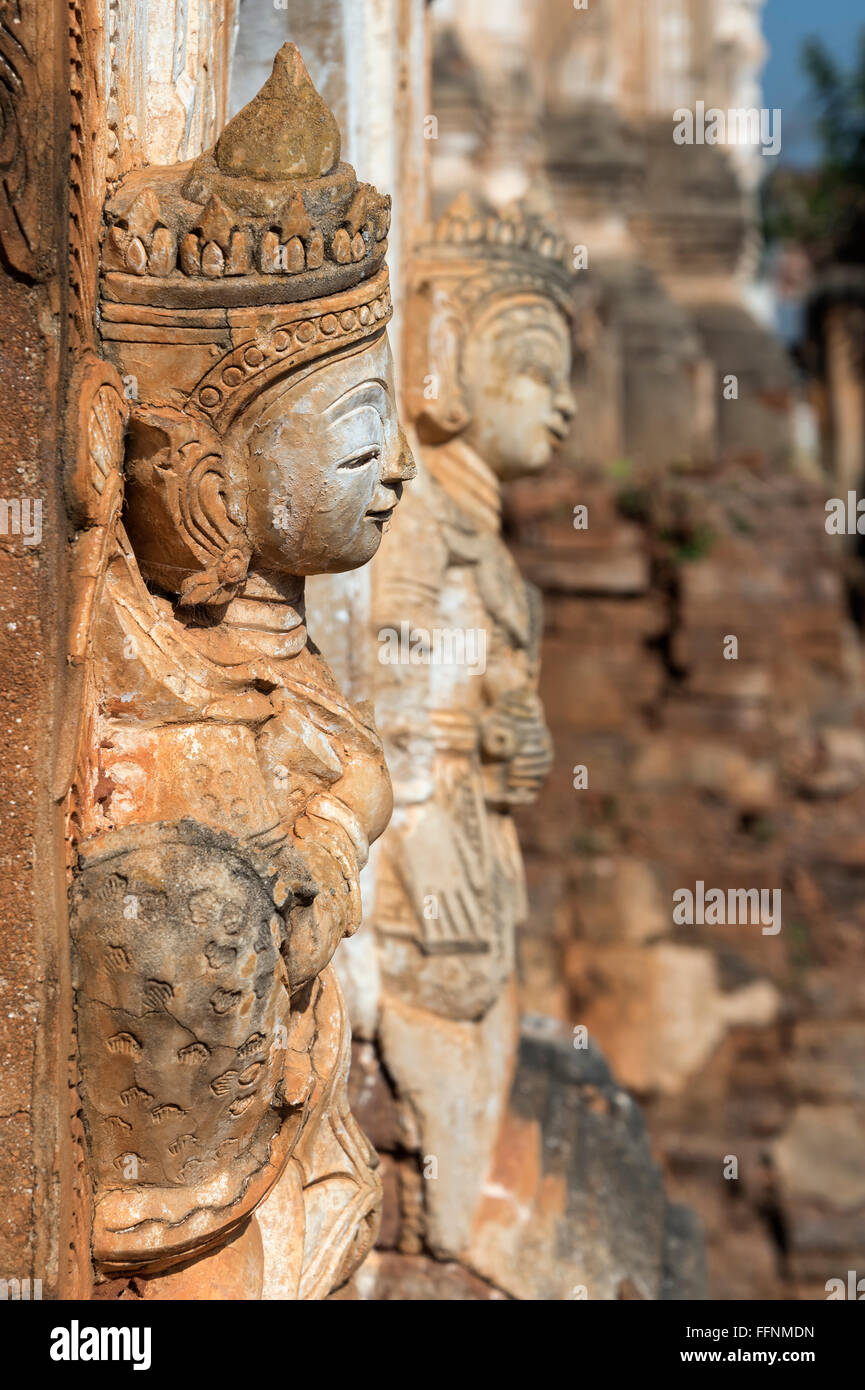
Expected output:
{"points": [[286, 132]]}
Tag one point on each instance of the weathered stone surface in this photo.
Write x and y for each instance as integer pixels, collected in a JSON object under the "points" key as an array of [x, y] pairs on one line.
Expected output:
{"points": [[453, 1076], [234, 1272], [729, 789], [820, 1155], [466, 742], [828, 1060], [741, 772], [285, 132], [225, 793], [669, 993], [573, 1174], [492, 1190]]}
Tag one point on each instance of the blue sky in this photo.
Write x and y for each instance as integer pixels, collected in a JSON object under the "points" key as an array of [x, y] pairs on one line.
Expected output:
{"points": [[786, 23]]}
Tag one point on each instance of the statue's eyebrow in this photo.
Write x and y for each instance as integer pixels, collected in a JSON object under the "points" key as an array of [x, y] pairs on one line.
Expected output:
{"points": [[550, 331], [362, 393]]}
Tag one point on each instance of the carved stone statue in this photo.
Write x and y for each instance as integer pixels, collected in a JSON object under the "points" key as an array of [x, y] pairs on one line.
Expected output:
{"points": [[487, 385], [488, 371], [224, 793]]}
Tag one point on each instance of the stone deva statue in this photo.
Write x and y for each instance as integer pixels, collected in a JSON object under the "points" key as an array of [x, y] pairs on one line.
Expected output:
{"points": [[225, 793], [487, 385]]}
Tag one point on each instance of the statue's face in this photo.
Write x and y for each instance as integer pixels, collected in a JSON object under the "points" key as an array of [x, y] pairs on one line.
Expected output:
{"points": [[516, 370], [326, 463]]}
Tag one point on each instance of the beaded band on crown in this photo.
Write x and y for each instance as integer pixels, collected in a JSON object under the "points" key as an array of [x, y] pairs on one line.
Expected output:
{"points": [[475, 262], [262, 344], [220, 278], [300, 336]]}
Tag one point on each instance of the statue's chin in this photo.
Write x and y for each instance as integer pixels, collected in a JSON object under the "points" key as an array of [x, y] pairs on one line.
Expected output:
{"points": [[535, 459], [354, 559], [542, 453]]}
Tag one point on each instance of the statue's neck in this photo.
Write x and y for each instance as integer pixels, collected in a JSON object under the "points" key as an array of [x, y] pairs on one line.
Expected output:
{"points": [[270, 613], [468, 480]]}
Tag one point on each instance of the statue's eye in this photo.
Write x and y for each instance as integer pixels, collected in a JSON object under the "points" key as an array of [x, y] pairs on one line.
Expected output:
{"points": [[361, 458], [543, 375]]}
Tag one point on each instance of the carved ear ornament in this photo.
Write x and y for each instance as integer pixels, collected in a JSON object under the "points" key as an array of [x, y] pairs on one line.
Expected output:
{"points": [[218, 583], [177, 463]]}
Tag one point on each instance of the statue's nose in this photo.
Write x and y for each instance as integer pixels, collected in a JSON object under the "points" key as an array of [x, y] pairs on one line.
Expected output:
{"points": [[403, 467]]}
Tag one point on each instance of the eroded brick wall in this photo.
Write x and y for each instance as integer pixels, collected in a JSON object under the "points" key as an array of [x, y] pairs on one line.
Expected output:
{"points": [[740, 773]]}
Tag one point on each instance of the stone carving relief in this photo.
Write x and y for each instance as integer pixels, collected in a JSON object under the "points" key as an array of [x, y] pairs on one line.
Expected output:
{"points": [[488, 362], [488, 368], [27, 33], [240, 435]]}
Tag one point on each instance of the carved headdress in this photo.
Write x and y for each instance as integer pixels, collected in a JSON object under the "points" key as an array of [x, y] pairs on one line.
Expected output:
{"points": [[221, 277], [474, 258]]}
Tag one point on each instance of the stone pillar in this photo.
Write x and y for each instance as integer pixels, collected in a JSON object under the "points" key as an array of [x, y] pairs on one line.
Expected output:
{"points": [[369, 60], [38, 1159], [78, 113], [494, 40], [158, 108]]}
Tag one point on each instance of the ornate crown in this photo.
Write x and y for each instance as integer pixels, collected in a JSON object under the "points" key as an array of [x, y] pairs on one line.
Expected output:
{"points": [[221, 277], [478, 251], [254, 259], [270, 215]]}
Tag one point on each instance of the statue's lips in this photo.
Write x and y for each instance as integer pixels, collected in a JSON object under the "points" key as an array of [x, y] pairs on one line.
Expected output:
{"points": [[558, 429], [382, 516]]}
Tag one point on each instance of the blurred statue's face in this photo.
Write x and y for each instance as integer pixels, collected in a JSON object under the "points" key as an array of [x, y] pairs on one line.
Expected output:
{"points": [[326, 463], [516, 371]]}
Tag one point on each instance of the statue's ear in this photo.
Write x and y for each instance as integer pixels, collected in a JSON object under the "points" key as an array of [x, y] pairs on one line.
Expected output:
{"points": [[184, 521], [434, 388]]}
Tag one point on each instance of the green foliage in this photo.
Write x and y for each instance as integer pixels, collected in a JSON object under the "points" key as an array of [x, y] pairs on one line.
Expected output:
{"points": [[840, 98], [826, 209], [620, 468], [740, 523], [689, 546], [633, 503], [800, 946]]}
